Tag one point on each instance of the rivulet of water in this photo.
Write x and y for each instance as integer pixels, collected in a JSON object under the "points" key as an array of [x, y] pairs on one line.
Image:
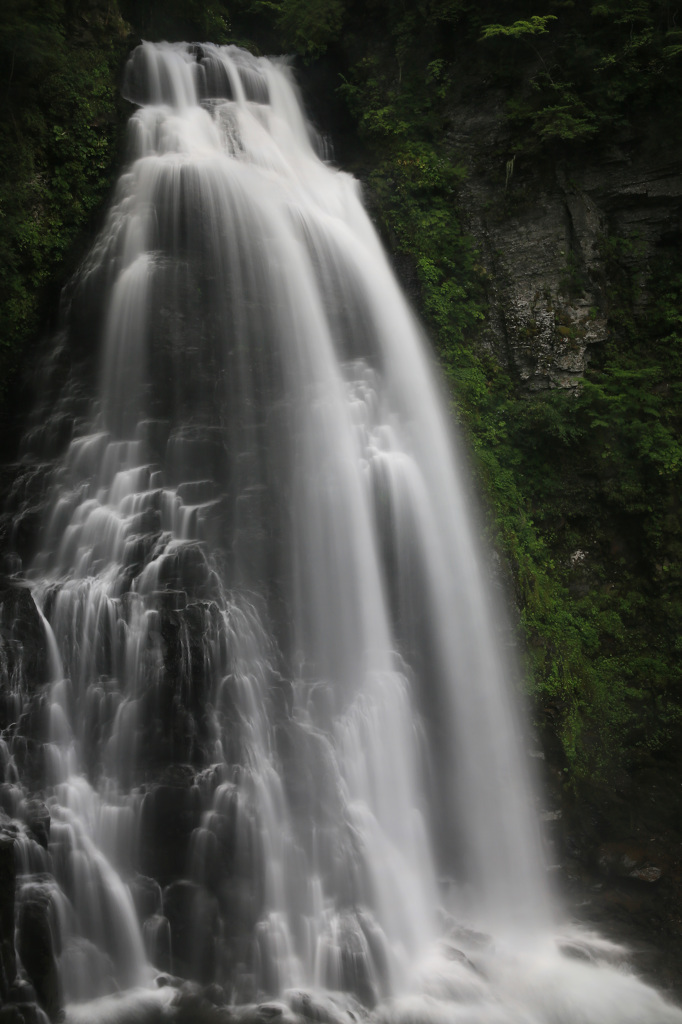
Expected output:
{"points": [[282, 751]]}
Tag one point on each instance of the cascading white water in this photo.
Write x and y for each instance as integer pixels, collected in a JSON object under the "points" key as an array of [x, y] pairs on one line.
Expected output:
{"points": [[279, 710]]}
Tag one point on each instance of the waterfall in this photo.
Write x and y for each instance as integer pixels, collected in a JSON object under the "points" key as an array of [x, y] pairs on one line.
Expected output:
{"points": [[282, 752]]}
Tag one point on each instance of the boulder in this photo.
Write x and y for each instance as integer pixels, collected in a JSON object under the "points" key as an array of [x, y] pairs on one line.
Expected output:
{"points": [[23, 646], [170, 813], [37, 817], [628, 860], [35, 945], [194, 924]]}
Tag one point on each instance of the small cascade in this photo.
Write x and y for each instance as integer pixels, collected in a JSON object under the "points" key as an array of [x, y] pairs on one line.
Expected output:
{"points": [[275, 735]]}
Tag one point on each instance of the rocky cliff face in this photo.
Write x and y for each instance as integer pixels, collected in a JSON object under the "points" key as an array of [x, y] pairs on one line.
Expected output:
{"points": [[543, 230]]}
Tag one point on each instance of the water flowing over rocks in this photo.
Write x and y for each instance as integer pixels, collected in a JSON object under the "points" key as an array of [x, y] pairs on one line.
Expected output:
{"points": [[7, 886], [257, 732]]}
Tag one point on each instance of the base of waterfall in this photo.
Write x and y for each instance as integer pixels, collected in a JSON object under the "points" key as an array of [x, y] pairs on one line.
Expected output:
{"points": [[575, 978]]}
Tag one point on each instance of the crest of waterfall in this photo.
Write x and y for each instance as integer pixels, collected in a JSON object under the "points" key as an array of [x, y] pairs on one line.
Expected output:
{"points": [[279, 710]]}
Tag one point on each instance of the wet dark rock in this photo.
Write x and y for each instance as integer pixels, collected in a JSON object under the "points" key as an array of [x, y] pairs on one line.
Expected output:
{"points": [[29, 760], [212, 520], [458, 956], [169, 601], [169, 815], [197, 1004], [138, 552], [171, 731], [197, 453], [181, 775], [166, 980], [157, 939], [32, 730], [197, 492], [327, 1008], [270, 1011], [175, 709], [468, 937], [37, 817], [11, 1015], [540, 235], [154, 436], [627, 860], [252, 532], [11, 564], [303, 750], [194, 923], [22, 992], [146, 893], [35, 946], [147, 523], [266, 1013], [186, 567], [8, 966], [215, 994], [647, 873], [23, 645], [22, 1013], [576, 951], [353, 949], [609, 839], [192, 1007], [25, 507]]}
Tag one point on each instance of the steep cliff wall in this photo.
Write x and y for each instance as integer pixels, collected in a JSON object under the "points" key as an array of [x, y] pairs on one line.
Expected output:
{"points": [[542, 231]]}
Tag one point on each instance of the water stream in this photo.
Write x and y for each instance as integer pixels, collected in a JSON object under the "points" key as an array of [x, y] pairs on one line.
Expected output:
{"points": [[283, 753]]}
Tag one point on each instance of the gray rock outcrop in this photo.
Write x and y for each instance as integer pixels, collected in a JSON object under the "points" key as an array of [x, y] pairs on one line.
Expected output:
{"points": [[546, 231]]}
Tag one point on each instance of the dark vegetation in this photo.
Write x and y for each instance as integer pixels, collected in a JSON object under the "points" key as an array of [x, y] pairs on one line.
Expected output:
{"points": [[583, 487], [60, 123]]}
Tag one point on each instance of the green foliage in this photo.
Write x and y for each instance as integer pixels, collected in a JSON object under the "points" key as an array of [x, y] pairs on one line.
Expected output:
{"points": [[624, 12], [58, 139], [414, 186], [308, 26], [601, 472], [415, 190], [536, 25], [596, 66], [569, 120], [178, 20]]}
